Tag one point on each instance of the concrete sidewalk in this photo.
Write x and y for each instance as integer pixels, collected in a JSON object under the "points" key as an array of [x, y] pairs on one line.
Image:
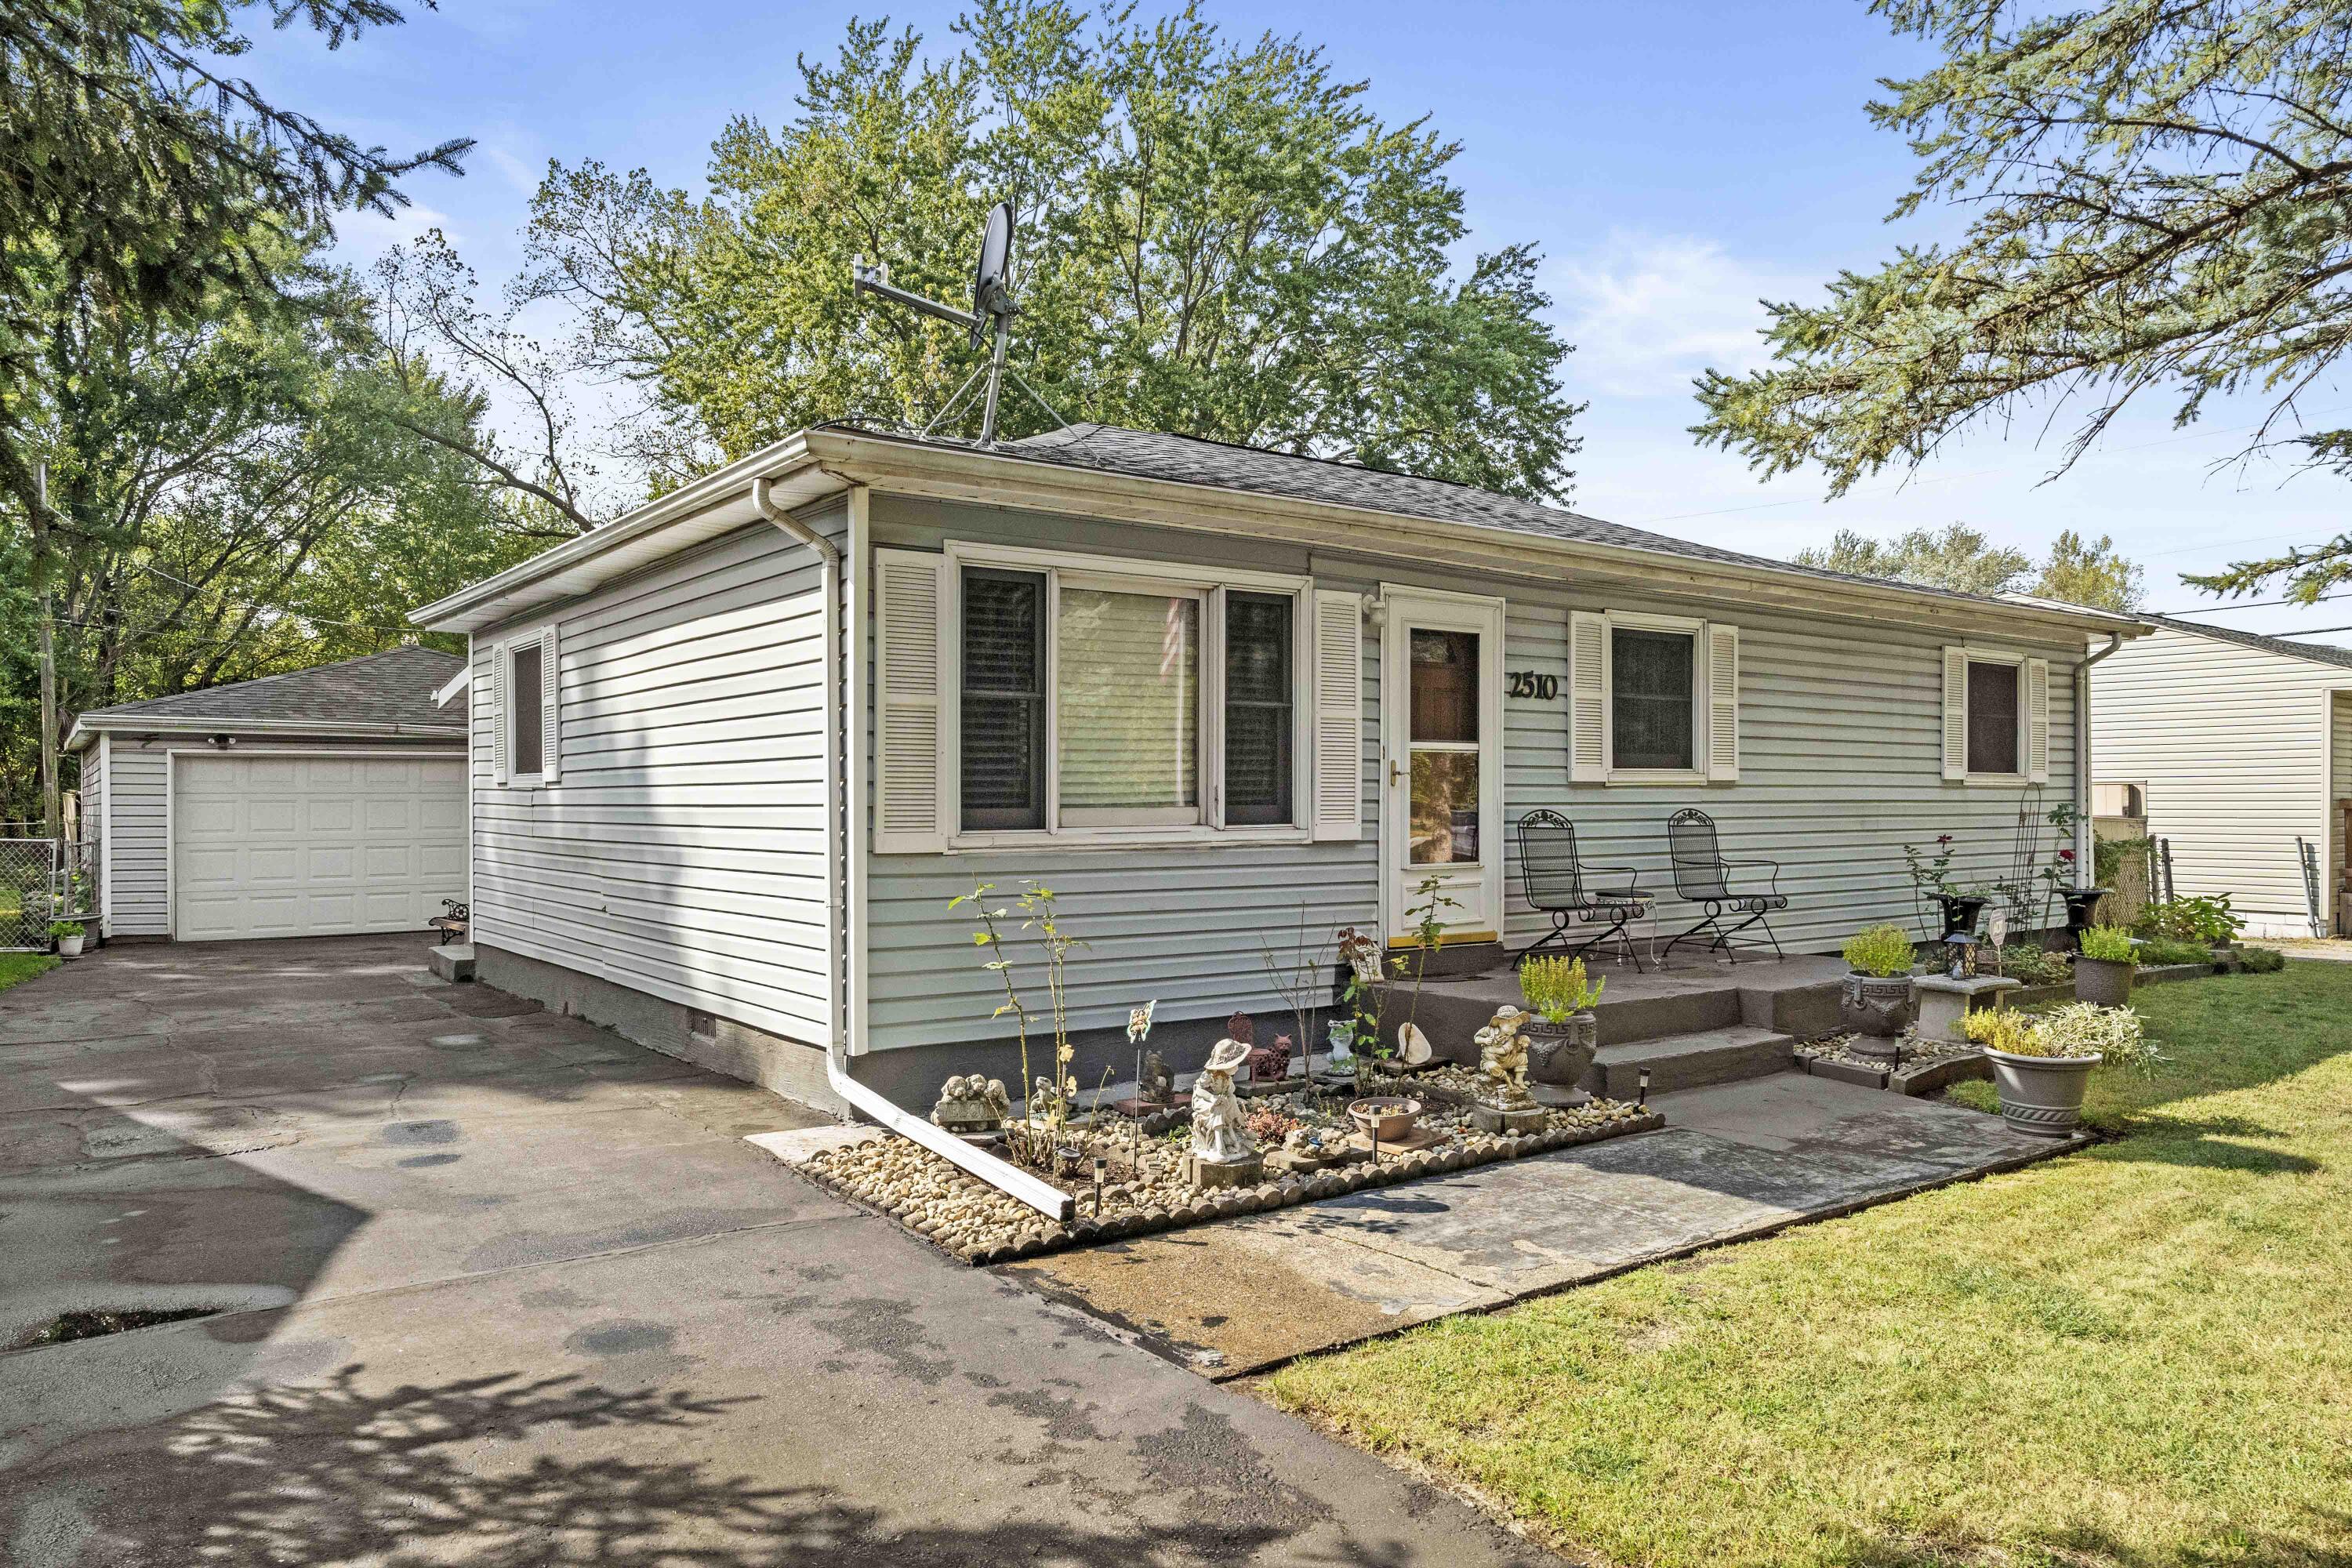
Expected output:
{"points": [[1736, 1160], [504, 1287]]}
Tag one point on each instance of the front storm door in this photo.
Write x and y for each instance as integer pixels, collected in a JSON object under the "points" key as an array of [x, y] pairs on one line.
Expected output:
{"points": [[1442, 765]]}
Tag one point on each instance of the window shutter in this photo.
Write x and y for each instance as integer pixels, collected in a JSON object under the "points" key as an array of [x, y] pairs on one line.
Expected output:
{"points": [[1588, 697], [1338, 811], [910, 603], [2037, 720], [1722, 704], [550, 711], [1955, 711], [498, 715]]}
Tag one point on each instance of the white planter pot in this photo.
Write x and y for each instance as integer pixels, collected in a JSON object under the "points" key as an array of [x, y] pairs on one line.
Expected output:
{"points": [[70, 946]]}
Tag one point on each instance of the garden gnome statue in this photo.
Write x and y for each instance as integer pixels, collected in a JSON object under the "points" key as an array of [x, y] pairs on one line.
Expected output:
{"points": [[1159, 1084], [971, 1104], [1503, 1062], [1223, 1152]]}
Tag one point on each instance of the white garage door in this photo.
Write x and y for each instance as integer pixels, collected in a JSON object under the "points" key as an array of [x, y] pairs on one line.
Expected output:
{"points": [[313, 845]]}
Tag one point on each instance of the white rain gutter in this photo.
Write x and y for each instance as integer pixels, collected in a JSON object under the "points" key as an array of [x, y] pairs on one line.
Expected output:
{"points": [[2086, 836], [1000, 1174]]}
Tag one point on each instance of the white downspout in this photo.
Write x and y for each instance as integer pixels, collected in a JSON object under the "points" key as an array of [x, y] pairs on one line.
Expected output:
{"points": [[2087, 837], [1036, 1193]]}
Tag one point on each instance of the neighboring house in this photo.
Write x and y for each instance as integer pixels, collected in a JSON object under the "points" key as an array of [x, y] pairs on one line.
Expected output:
{"points": [[317, 803], [2239, 745], [1213, 697]]}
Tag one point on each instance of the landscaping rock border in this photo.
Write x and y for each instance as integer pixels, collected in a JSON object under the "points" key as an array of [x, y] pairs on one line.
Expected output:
{"points": [[1046, 1235], [2156, 975]]}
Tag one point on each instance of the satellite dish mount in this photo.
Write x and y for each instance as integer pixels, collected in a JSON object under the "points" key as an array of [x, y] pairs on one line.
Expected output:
{"points": [[990, 316]]}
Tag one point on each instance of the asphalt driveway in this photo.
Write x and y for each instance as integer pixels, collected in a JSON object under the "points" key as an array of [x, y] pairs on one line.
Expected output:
{"points": [[497, 1287]]}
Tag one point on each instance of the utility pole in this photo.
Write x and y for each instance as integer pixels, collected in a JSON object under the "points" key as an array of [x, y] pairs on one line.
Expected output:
{"points": [[52, 806]]}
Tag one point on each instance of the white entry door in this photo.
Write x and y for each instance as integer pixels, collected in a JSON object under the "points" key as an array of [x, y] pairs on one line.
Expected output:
{"points": [[313, 845], [1442, 764]]}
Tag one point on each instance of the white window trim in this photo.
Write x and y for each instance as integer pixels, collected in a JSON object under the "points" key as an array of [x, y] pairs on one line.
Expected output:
{"points": [[1972, 653], [551, 717], [1122, 573], [1696, 629]]}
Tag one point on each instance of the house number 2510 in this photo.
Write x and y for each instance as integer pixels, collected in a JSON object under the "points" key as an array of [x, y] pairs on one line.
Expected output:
{"points": [[1529, 683]]}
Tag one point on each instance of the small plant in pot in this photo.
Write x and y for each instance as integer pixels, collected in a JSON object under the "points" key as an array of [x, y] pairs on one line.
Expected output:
{"points": [[2042, 1067], [1566, 1031], [69, 934], [2103, 970], [1880, 999]]}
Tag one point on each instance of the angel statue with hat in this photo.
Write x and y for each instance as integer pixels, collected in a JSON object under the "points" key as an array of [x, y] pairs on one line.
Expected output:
{"points": [[1219, 1136]]}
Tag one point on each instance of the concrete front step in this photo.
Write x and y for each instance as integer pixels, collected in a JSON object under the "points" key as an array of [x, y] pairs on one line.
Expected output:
{"points": [[453, 960], [1691, 1060]]}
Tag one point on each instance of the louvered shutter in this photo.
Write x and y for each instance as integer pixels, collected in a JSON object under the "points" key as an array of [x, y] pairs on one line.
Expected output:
{"points": [[1722, 704], [1955, 711], [1339, 809], [498, 715], [1588, 697], [2037, 720], [909, 729], [550, 711]]}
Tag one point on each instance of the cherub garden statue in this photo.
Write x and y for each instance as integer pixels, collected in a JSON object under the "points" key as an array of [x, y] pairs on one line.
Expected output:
{"points": [[971, 1104], [1224, 1154], [1503, 1059]]}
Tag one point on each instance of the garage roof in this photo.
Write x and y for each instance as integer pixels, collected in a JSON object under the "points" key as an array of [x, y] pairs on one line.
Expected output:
{"points": [[385, 693]]}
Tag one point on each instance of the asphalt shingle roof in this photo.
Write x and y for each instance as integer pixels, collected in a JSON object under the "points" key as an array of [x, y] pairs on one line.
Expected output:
{"points": [[387, 688], [2319, 652]]}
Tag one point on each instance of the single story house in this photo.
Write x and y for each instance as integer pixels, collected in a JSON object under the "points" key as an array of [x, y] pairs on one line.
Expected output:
{"points": [[734, 753], [2234, 745], [317, 803]]}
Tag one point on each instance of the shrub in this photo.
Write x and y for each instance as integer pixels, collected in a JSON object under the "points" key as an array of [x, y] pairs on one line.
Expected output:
{"points": [[2112, 945], [2076, 1030], [2208, 921], [1883, 950], [1556, 988], [2035, 965], [65, 928], [2166, 950], [2262, 960]]}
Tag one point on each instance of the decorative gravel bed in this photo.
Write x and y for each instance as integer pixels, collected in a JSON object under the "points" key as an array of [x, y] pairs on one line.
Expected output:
{"points": [[1146, 1188], [1916, 1051]]}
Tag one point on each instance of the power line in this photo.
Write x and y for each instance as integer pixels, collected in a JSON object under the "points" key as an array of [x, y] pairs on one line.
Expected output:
{"points": [[2253, 605]]}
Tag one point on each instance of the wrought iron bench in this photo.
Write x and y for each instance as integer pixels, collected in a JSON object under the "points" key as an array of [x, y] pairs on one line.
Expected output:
{"points": [[451, 923], [1556, 882], [1703, 877]]}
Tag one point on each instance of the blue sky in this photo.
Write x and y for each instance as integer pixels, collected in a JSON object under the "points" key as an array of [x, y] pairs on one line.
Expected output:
{"points": [[1674, 163]]}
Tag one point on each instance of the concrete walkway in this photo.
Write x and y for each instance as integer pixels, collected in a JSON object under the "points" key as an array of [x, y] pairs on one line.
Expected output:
{"points": [[505, 1289], [1736, 1160]]}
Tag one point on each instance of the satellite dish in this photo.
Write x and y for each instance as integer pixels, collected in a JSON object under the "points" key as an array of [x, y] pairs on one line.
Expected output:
{"points": [[990, 297]]}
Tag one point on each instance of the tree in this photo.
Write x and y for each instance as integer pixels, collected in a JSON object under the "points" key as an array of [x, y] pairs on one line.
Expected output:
{"points": [[1962, 559], [1216, 238], [2162, 197]]}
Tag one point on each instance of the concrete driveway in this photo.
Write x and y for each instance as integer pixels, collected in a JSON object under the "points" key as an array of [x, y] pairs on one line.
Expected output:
{"points": [[497, 1287]]}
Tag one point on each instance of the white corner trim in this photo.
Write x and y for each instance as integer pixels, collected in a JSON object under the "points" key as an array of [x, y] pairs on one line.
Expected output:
{"points": [[461, 682]]}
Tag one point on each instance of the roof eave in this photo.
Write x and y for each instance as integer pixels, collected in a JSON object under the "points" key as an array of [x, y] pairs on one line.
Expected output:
{"points": [[86, 727]]}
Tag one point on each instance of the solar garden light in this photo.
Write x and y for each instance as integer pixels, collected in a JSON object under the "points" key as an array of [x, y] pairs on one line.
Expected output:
{"points": [[1642, 1094], [1100, 1163]]}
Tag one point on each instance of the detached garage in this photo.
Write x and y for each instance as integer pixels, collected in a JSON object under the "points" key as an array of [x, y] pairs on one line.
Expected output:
{"points": [[325, 802]]}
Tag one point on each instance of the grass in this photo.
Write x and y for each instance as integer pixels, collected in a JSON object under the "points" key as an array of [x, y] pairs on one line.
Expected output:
{"points": [[16, 967], [2135, 1356]]}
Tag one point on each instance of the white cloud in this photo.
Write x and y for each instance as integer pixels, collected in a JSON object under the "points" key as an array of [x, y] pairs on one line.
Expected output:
{"points": [[517, 172], [361, 236], [1647, 313]]}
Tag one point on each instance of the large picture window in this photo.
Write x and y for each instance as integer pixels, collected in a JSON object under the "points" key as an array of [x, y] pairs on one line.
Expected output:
{"points": [[1092, 701]]}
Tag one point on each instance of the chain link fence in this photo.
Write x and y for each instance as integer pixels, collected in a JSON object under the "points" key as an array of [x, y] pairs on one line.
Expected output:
{"points": [[44, 880]]}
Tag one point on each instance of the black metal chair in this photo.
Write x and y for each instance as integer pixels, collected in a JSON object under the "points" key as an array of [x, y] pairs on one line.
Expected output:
{"points": [[1703, 877], [1555, 879]]}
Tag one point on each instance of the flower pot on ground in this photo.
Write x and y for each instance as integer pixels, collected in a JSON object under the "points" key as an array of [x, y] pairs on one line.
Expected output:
{"points": [[1879, 999], [2103, 970], [69, 935], [1565, 1032], [2042, 1067]]}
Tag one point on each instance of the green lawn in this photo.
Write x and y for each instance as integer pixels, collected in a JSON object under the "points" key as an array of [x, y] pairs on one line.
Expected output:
{"points": [[17, 966], [2134, 1356]]}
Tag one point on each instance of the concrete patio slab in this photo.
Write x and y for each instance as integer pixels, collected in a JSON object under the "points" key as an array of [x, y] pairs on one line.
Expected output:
{"points": [[1734, 1160]]}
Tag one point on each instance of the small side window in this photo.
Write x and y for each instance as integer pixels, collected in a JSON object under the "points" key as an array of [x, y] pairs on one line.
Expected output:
{"points": [[1992, 718], [524, 709]]}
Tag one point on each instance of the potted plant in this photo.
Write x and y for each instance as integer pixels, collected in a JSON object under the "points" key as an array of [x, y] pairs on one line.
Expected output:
{"points": [[1931, 876], [2103, 970], [1879, 999], [1565, 1031], [69, 934], [2042, 1067]]}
